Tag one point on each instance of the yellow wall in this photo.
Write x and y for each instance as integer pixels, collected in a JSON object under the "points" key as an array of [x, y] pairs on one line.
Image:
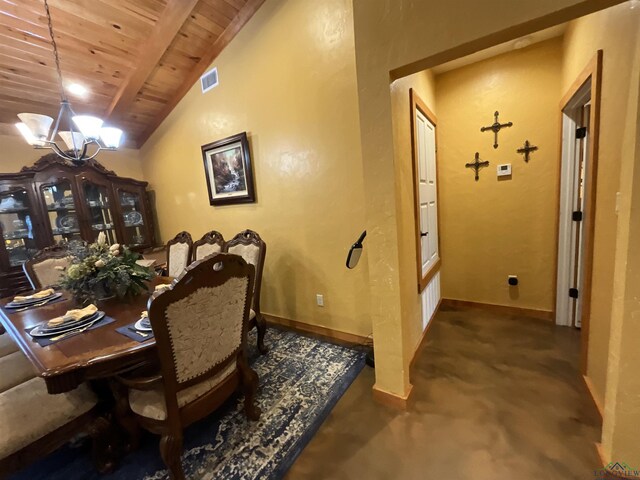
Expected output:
{"points": [[582, 39], [495, 227], [423, 83], [288, 79], [15, 153], [405, 37], [618, 120]]}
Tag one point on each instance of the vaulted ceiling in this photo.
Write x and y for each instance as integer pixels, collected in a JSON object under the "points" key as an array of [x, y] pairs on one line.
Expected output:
{"points": [[138, 58]]}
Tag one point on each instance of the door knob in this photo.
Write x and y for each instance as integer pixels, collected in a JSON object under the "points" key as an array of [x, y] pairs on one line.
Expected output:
{"points": [[424, 234]]}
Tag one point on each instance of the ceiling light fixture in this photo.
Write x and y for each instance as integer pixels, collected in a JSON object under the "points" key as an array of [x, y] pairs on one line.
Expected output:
{"points": [[83, 130]]}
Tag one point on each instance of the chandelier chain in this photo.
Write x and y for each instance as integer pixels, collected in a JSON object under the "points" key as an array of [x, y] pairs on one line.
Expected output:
{"points": [[63, 96]]}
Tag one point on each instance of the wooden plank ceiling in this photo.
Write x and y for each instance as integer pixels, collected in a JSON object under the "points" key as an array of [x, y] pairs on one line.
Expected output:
{"points": [[138, 58]]}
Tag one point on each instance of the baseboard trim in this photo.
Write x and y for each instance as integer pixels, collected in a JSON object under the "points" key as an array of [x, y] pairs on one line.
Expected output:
{"points": [[323, 332], [594, 397], [504, 309], [423, 339], [392, 400]]}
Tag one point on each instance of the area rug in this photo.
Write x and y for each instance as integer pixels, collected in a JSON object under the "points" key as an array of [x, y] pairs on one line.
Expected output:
{"points": [[301, 380]]}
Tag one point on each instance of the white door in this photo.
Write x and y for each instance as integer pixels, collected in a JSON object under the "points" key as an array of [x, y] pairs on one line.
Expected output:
{"points": [[576, 268], [573, 205], [427, 191]]}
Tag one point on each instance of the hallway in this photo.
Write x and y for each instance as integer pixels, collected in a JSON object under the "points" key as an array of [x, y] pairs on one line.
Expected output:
{"points": [[495, 397]]}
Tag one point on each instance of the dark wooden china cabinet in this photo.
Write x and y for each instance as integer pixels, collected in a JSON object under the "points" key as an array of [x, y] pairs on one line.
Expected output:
{"points": [[55, 200]]}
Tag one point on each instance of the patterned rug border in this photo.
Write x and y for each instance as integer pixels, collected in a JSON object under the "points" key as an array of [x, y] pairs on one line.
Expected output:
{"points": [[335, 397]]}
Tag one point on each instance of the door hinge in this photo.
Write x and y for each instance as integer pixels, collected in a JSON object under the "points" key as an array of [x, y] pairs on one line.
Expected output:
{"points": [[576, 216], [581, 132], [573, 292]]}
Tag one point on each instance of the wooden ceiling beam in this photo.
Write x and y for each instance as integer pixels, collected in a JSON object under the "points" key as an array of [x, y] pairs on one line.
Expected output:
{"points": [[243, 16], [165, 30]]}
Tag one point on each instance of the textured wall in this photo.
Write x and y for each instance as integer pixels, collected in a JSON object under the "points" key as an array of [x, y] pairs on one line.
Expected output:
{"points": [[288, 79], [496, 226], [423, 84], [15, 153]]}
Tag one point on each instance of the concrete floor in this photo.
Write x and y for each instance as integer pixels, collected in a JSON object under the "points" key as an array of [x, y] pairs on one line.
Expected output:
{"points": [[495, 398]]}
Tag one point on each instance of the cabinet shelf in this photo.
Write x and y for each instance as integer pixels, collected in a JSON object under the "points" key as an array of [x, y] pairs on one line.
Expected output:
{"points": [[51, 208], [14, 210]]}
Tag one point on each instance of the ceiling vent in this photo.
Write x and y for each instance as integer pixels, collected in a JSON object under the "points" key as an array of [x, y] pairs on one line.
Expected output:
{"points": [[209, 80]]}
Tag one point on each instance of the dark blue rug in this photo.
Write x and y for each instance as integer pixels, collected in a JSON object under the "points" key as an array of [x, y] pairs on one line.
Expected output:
{"points": [[301, 380]]}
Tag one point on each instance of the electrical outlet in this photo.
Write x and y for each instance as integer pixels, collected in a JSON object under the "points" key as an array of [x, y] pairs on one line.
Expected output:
{"points": [[320, 300], [512, 280]]}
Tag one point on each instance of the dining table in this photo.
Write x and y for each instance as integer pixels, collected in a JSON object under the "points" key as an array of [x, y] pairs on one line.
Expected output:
{"points": [[97, 353]]}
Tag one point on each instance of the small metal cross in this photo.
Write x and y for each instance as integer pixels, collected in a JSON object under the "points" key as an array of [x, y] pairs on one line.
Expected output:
{"points": [[495, 128], [527, 149], [477, 165]]}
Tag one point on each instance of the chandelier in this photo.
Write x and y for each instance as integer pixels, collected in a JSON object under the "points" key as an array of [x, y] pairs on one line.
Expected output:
{"points": [[80, 131]]}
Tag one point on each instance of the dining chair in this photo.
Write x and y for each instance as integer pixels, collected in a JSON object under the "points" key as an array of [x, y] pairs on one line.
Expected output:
{"points": [[200, 325], [253, 249], [210, 243], [178, 253], [35, 423], [15, 368], [46, 267]]}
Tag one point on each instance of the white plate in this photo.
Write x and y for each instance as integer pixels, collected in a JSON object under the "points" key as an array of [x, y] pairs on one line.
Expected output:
{"points": [[38, 330], [139, 326], [27, 303]]}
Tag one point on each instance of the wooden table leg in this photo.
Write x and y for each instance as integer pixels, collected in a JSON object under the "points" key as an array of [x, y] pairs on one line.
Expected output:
{"points": [[124, 417]]}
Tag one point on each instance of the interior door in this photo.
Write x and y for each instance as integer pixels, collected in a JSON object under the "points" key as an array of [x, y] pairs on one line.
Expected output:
{"points": [[576, 266], [424, 132]]}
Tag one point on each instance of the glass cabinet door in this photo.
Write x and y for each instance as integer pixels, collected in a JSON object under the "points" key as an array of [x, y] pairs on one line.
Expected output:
{"points": [[61, 211], [16, 223], [131, 208], [96, 198]]}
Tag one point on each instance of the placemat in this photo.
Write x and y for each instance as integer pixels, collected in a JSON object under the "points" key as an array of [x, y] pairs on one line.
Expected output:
{"points": [[24, 309], [45, 341], [132, 333]]}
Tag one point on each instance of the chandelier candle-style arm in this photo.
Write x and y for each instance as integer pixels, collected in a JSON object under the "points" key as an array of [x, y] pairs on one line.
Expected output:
{"points": [[83, 130]]}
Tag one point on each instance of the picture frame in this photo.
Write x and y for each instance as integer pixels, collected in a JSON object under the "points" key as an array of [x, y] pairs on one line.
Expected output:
{"points": [[228, 170]]}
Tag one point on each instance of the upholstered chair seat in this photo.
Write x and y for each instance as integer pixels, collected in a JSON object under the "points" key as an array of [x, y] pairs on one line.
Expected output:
{"points": [[28, 412], [15, 369], [7, 345], [151, 403]]}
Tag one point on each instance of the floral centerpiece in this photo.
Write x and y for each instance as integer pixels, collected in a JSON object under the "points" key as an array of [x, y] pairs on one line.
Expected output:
{"points": [[100, 271]]}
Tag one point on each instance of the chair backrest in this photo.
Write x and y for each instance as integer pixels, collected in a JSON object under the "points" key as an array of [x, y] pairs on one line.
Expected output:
{"points": [[200, 323], [47, 266], [210, 243], [178, 253], [253, 249]]}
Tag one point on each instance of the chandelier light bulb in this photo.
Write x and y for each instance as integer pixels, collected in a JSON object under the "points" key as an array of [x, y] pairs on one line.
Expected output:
{"points": [[89, 126], [111, 137], [28, 136], [73, 140], [38, 125]]}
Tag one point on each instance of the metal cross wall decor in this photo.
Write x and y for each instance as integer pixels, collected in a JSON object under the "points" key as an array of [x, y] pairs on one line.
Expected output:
{"points": [[477, 165], [526, 150], [495, 128]]}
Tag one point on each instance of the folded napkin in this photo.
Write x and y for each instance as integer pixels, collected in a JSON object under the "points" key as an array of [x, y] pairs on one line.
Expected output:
{"points": [[161, 287], [144, 314], [41, 294], [73, 315]]}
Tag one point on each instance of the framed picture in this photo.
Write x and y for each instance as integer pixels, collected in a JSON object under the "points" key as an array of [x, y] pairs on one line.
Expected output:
{"points": [[227, 166]]}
